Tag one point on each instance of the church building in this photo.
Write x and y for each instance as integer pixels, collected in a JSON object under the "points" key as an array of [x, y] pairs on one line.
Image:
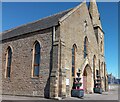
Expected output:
{"points": [[42, 58]]}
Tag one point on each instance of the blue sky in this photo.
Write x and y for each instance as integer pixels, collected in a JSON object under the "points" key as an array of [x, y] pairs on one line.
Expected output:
{"points": [[15, 14]]}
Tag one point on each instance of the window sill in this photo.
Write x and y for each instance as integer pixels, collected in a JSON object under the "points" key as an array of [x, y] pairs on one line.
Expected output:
{"points": [[34, 77], [8, 79]]}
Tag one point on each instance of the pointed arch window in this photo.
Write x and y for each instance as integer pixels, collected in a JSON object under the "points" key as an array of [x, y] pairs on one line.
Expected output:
{"points": [[97, 72], [36, 59], [101, 47], [94, 66], [102, 69], [8, 62], [99, 67], [73, 59], [85, 47]]}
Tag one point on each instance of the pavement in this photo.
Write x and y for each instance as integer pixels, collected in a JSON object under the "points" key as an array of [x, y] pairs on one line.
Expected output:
{"points": [[110, 95]]}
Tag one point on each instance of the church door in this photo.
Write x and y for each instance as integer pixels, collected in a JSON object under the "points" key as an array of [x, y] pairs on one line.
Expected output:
{"points": [[87, 79]]}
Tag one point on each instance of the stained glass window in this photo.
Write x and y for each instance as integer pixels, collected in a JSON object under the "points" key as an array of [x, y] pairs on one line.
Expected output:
{"points": [[73, 59], [36, 59], [9, 60], [85, 47]]}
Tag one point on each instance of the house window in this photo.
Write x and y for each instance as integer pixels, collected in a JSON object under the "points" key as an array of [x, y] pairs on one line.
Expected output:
{"points": [[73, 59], [36, 61], [8, 61], [85, 47]]}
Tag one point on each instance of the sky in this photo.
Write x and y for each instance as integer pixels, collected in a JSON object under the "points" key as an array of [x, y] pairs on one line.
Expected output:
{"points": [[16, 14]]}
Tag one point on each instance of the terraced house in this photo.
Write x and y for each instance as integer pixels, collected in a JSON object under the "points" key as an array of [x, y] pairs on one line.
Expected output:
{"points": [[42, 58]]}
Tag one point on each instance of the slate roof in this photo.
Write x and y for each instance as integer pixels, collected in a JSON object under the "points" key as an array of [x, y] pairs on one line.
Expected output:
{"points": [[34, 26]]}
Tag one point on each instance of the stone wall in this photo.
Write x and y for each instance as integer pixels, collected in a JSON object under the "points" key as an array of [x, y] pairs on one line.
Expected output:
{"points": [[55, 78], [21, 81], [73, 31]]}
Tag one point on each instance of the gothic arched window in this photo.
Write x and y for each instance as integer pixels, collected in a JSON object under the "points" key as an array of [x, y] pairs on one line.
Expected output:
{"points": [[36, 65], [85, 47], [101, 46], [74, 48], [102, 69], [99, 68], [8, 61], [94, 66]]}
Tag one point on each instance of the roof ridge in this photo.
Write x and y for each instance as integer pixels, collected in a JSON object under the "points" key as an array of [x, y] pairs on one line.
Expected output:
{"points": [[36, 21]]}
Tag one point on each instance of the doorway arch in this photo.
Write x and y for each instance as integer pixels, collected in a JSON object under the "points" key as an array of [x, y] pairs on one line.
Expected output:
{"points": [[87, 79]]}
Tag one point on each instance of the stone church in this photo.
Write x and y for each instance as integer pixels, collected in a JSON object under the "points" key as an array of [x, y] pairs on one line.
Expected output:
{"points": [[42, 58]]}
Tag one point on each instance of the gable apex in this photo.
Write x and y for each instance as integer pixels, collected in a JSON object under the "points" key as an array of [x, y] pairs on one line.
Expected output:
{"points": [[72, 11]]}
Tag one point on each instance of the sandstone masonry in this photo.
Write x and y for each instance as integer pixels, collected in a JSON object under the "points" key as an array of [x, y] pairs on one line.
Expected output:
{"points": [[56, 34]]}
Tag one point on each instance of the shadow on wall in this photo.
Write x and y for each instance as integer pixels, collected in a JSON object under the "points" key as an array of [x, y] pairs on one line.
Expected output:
{"points": [[47, 87]]}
